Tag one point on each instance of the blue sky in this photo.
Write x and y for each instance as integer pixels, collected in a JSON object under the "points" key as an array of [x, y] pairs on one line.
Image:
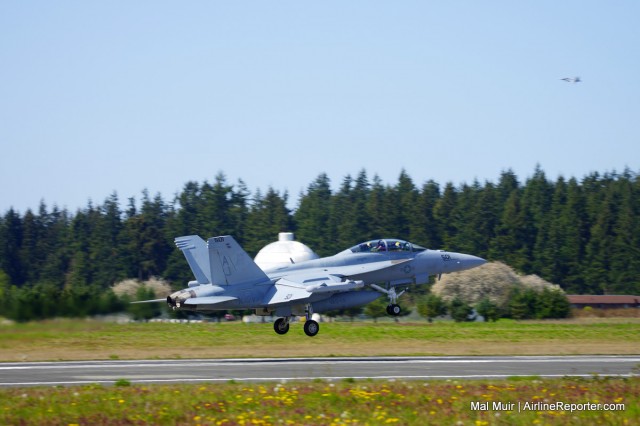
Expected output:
{"points": [[97, 97]]}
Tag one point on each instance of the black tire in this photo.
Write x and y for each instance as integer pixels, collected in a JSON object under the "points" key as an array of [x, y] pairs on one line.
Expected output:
{"points": [[311, 328], [394, 310], [280, 327]]}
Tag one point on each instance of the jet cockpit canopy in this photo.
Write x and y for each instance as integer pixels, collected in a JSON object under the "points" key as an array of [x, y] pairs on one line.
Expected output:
{"points": [[384, 246]]}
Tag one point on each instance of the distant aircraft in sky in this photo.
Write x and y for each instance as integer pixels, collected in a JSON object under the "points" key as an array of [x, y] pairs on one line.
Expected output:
{"points": [[571, 79], [228, 279]]}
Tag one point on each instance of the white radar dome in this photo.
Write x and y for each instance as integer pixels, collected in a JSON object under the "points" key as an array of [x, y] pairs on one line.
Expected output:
{"points": [[283, 252]]}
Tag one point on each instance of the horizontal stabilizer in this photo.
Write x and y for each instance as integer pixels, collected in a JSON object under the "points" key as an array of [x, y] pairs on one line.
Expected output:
{"points": [[211, 300]]}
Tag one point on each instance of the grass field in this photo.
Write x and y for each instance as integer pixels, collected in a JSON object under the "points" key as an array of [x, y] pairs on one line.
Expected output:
{"points": [[84, 340], [326, 403]]}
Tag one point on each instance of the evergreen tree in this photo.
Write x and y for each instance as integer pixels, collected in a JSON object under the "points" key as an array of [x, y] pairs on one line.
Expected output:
{"points": [[551, 304], [476, 218], [104, 246], [143, 311], [406, 197], [81, 270], [55, 244], [583, 235], [340, 233], [376, 309], [510, 242], [11, 236], [600, 247], [572, 225], [522, 304], [536, 203], [380, 225], [487, 309], [353, 224], [431, 306], [268, 216], [5, 294], [147, 244], [215, 213], [424, 227], [507, 184], [624, 273], [313, 215], [239, 210], [459, 310], [444, 212], [31, 253]]}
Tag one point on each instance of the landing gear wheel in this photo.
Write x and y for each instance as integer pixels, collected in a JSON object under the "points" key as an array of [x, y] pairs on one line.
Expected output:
{"points": [[281, 326], [394, 310], [311, 328]]}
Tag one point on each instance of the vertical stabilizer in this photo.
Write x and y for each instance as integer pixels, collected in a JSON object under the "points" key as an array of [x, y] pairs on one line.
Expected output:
{"points": [[195, 250], [230, 264]]}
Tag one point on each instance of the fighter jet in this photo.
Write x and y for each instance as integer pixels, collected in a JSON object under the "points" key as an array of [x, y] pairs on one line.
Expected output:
{"points": [[226, 278], [571, 79]]}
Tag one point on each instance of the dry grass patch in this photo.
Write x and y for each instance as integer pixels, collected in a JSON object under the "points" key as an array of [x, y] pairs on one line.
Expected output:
{"points": [[84, 340]]}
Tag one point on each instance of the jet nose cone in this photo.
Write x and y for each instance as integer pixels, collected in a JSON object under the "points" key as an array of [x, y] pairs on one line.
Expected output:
{"points": [[467, 261], [474, 261]]}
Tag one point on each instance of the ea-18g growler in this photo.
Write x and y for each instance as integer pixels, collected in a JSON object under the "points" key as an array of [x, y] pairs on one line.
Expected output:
{"points": [[226, 278]]}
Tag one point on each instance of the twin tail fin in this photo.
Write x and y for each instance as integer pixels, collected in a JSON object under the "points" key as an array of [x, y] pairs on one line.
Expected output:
{"points": [[219, 261]]}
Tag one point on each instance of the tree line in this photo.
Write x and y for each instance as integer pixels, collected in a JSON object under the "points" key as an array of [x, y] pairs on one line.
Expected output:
{"points": [[581, 234]]}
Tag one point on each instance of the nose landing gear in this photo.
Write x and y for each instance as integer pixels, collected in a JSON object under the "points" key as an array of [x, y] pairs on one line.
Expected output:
{"points": [[393, 309]]}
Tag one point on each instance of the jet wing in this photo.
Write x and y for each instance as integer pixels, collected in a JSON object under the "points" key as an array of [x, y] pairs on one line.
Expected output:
{"points": [[298, 287], [357, 271], [284, 291]]}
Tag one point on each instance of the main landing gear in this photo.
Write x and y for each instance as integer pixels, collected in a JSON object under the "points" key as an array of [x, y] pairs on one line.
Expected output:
{"points": [[311, 327], [281, 326]]}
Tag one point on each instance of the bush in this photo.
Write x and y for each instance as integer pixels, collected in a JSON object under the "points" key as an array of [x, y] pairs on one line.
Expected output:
{"points": [[460, 311], [431, 306], [552, 304], [488, 309], [496, 290]]}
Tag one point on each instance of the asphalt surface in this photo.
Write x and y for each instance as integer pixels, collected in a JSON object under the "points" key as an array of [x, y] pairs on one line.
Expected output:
{"points": [[256, 370]]}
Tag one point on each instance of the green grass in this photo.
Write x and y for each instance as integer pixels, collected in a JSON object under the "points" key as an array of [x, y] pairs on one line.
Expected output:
{"points": [[324, 403], [347, 402], [76, 340]]}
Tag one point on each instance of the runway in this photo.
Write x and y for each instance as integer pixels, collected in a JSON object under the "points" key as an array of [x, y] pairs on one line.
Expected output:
{"points": [[288, 369]]}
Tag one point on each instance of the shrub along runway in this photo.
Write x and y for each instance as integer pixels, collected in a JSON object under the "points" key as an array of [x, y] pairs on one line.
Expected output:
{"points": [[258, 370]]}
